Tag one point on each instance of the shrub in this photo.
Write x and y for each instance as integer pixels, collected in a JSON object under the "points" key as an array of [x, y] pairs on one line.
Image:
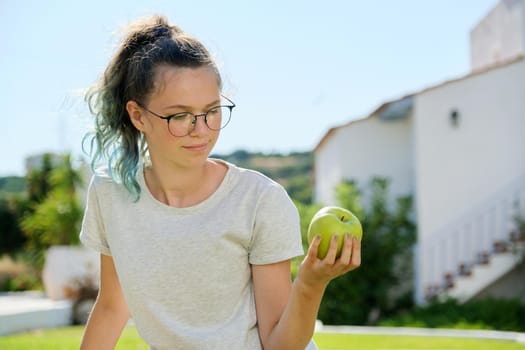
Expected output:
{"points": [[489, 313], [17, 275], [11, 236], [22, 282], [55, 215]]}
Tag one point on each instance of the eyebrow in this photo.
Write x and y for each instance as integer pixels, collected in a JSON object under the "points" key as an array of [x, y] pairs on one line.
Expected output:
{"points": [[216, 102]]}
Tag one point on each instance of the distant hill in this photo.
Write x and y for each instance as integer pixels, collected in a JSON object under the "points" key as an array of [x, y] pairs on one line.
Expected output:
{"points": [[279, 167], [293, 170], [12, 184]]}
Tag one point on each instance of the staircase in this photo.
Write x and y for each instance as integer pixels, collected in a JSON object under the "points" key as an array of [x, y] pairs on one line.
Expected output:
{"points": [[467, 255]]}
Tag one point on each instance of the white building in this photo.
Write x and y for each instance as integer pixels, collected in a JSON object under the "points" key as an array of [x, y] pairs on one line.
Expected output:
{"points": [[459, 149]]}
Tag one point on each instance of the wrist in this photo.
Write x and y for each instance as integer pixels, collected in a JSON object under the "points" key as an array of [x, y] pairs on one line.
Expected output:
{"points": [[310, 287]]}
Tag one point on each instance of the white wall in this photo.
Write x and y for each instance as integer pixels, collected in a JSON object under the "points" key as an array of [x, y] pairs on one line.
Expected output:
{"points": [[327, 169], [500, 35], [363, 149], [458, 167]]}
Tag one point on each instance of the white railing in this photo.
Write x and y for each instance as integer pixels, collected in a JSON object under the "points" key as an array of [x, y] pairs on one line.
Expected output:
{"points": [[463, 240]]}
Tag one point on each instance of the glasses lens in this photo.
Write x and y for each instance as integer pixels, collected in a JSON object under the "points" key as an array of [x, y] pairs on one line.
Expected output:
{"points": [[180, 124], [217, 118]]}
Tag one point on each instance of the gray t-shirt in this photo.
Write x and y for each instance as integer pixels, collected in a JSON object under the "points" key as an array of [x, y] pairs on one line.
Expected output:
{"points": [[185, 272]]}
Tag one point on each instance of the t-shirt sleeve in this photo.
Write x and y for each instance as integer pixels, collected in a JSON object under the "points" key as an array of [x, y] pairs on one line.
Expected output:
{"points": [[92, 232], [277, 231]]}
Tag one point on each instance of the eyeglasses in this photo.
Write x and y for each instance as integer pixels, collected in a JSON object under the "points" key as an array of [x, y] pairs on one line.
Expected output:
{"points": [[182, 124]]}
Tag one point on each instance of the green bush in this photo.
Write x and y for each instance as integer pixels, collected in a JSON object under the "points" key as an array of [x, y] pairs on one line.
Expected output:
{"points": [[55, 212], [299, 188], [12, 238], [56, 217], [21, 282], [490, 313]]}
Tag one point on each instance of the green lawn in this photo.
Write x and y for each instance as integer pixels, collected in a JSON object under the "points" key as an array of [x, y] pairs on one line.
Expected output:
{"points": [[69, 338], [65, 338]]}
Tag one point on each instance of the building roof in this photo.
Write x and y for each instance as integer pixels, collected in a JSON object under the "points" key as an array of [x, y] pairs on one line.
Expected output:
{"points": [[389, 110], [400, 107]]}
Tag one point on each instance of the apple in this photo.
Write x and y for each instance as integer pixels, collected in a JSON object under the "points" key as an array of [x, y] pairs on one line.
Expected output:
{"points": [[329, 221]]}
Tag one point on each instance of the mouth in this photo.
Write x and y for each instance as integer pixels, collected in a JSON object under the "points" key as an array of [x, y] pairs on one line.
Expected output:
{"points": [[196, 148]]}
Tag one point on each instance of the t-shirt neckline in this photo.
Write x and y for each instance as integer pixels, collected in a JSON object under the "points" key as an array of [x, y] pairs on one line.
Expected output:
{"points": [[221, 190]]}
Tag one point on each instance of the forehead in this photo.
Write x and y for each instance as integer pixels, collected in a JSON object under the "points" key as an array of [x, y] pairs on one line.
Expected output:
{"points": [[189, 86]]}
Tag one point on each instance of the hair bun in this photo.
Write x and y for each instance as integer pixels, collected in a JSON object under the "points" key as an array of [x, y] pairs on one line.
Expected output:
{"points": [[161, 31], [147, 31]]}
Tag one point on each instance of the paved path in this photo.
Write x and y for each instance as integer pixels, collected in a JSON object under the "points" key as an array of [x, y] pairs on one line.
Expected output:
{"points": [[424, 332], [30, 310]]}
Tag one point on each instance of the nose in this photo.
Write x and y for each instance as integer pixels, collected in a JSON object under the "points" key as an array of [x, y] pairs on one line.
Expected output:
{"points": [[196, 126]]}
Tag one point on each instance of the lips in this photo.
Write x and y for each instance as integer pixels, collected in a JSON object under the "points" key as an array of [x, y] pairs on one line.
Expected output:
{"points": [[196, 148]]}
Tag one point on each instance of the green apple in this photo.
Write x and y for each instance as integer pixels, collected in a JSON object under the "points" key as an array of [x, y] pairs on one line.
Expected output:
{"points": [[330, 221]]}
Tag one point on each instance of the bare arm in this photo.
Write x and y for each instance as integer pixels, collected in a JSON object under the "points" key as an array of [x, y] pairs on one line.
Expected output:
{"points": [[110, 312], [286, 313]]}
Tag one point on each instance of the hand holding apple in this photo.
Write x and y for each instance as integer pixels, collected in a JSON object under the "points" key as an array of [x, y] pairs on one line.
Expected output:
{"points": [[330, 221]]}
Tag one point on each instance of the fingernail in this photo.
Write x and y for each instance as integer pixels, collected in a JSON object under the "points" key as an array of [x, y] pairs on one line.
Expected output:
{"points": [[317, 237], [347, 235], [334, 238]]}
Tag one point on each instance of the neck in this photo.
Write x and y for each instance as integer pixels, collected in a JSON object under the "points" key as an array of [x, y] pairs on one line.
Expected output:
{"points": [[181, 187]]}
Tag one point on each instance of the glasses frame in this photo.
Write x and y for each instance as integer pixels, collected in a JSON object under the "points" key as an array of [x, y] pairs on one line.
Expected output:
{"points": [[195, 116]]}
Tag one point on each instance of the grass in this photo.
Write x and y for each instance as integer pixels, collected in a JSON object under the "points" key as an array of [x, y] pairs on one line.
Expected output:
{"points": [[65, 338], [69, 338]]}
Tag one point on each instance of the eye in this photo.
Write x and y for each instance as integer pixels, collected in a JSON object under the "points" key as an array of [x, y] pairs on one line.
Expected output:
{"points": [[215, 110], [180, 116]]}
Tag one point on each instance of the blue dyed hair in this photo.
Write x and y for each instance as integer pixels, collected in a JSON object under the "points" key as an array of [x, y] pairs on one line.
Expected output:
{"points": [[147, 44]]}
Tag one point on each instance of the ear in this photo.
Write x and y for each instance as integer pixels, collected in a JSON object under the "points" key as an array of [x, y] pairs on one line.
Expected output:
{"points": [[135, 115]]}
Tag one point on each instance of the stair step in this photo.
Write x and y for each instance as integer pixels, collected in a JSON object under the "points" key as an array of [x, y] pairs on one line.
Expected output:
{"points": [[468, 286]]}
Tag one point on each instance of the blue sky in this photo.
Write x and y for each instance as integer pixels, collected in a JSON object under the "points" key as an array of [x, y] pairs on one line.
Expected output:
{"points": [[294, 68]]}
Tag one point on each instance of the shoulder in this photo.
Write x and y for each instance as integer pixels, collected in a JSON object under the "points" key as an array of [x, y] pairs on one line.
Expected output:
{"points": [[252, 178], [263, 190], [102, 181], [107, 191], [101, 176]]}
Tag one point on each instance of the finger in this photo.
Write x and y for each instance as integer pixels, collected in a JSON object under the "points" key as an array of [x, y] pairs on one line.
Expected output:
{"points": [[356, 253], [314, 247], [346, 252], [332, 251]]}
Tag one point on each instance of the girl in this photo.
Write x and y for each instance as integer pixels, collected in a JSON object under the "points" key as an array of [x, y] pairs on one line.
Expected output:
{"points": [[196, 250]]}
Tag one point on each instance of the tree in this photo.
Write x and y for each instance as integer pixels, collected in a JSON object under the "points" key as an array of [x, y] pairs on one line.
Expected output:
{"points": [[38, 180], [55, 219], [11, 237], [299, 188]]}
